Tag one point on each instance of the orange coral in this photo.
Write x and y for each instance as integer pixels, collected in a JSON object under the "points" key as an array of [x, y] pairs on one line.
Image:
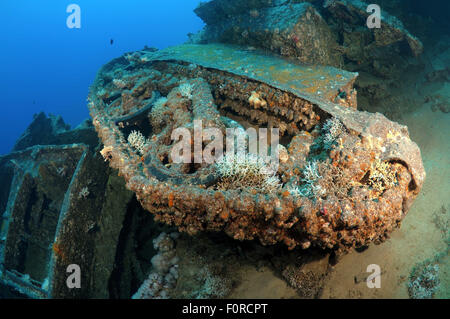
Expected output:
{"points": [[171, 196], [56, 247]]}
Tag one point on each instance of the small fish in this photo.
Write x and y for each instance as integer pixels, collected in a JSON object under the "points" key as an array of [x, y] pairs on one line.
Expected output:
{"points": [[111, 41]]}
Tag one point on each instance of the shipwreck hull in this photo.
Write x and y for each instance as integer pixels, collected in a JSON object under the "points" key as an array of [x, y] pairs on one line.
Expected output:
{"points": [[366, 167]]}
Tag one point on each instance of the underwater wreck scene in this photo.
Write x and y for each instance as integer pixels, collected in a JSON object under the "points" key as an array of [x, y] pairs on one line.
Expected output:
{"points": [[240, 150]]}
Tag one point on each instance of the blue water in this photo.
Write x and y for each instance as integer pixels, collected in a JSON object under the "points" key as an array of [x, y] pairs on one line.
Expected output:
{"points": [[45, 66]]}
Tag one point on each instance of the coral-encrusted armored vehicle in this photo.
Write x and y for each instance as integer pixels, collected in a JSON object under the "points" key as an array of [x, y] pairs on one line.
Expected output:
{"points": [[346, 178]]}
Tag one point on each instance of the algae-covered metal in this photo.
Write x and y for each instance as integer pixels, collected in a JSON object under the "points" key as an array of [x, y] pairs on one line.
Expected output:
{"points": [[317, 83], [347, 178]]}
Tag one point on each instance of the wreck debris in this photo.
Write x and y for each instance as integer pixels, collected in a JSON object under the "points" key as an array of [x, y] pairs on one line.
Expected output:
{"points": [[391, 31], [334, 33], [60, 206], [299, 30], [42, 193], [289, 29]]}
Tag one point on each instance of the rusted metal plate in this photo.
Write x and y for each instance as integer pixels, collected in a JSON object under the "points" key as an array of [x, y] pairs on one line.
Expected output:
{"points": [[318, 84]]}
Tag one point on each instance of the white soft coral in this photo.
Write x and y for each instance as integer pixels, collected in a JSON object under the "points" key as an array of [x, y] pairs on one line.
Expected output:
{"points": [[246, 171], [311, 187], [138, 141], [332, 128], [186, 90]]}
